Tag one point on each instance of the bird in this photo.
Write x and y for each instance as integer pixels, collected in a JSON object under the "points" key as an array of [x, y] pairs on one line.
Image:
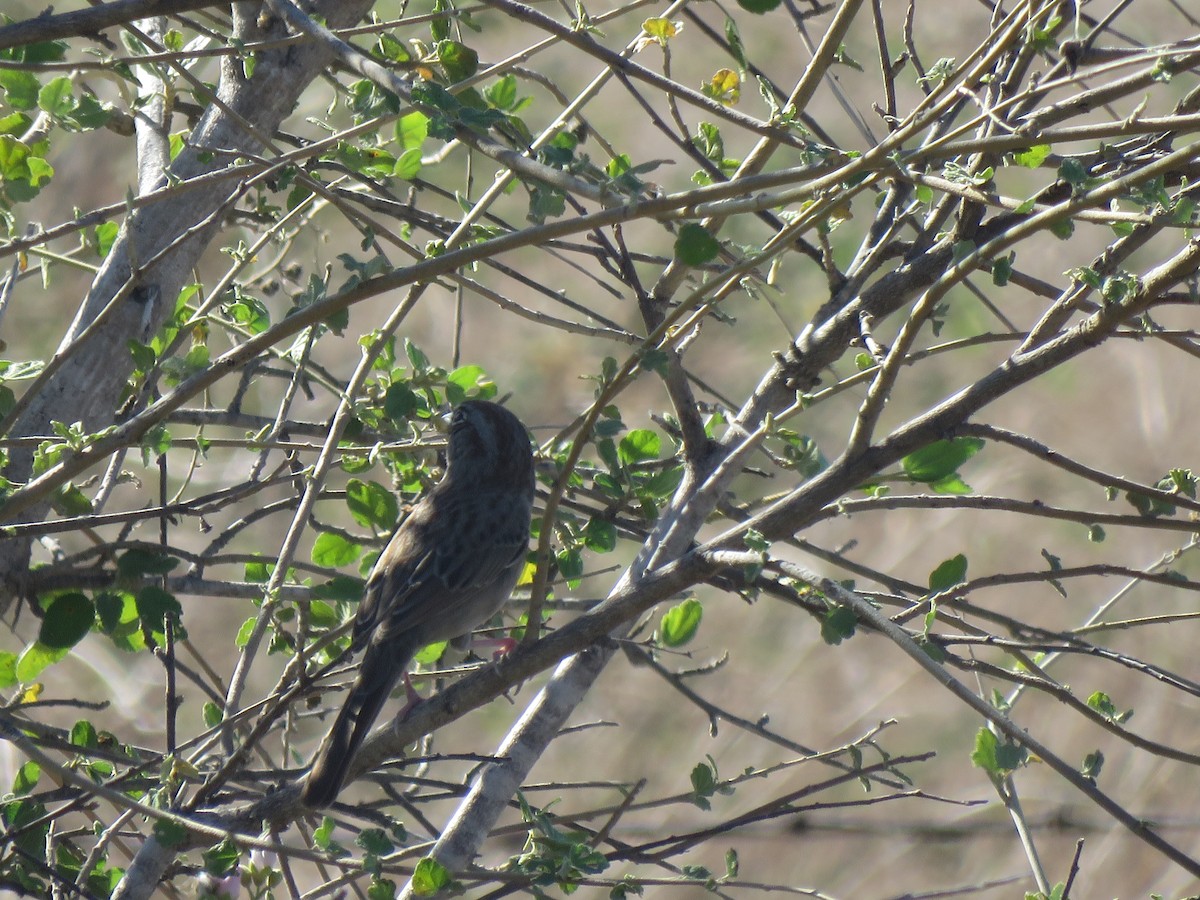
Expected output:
{"points": [[450, 566]]}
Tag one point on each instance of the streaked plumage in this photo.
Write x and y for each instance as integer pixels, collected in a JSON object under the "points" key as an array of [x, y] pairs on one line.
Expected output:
{"points": [[449, 567]]}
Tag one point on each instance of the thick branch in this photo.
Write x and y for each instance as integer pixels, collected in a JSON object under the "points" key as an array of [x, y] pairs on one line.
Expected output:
{"points": [[87, 22]]}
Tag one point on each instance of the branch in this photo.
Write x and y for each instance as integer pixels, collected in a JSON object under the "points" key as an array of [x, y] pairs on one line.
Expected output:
{"points": [[88, 22], [1005, 725]]}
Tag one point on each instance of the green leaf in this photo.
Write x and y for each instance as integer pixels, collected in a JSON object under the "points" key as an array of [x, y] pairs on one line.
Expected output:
{"points": [[1072, 171], [755, 540], [372, 505], [89, 113], [412, 130], [155, 443], [55, 96], [83, 734], [844, 58], [381, 889], [1033, 157], [600, 536], [71, 501], [243, 635], [932, 650], [459, 61], [1181, 481], [654, 361], [392, 49], [212, 714], [22, 370], [1063, 229], [332, 550], [374, 841], [169, 834], [627, 886], [939, 459], [247, 311], [546, 203], [321, 615], [21, 88], [996, 758], [408, 164], [14, 159], [416, 358], [258, 571], [838, 625], [112, 609], [367, 99], [142, 354], [400, 402], [1002, 269], [661, 484], [468, 381], [222, 858], [961, 250], [680, 624], [1011, 756], [439, 26], [570, 566], [68, 618], [340, 587], [154, 605], [35, 659], [430, 653], [1150, 507], [951, 484], [695, 245], [177, 369], [984, 755], [37, 52], [502, 94], [429, 877], [948, 574], [1103, 704], [704, 784], [26, 778], [758, 7], [1092, 764], [8, 669], [639, 445], [136, 562], [737, 47], [324, 832]]}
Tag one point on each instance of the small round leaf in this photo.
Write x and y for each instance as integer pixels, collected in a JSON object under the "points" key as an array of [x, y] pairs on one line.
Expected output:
{"points": [[681, 623], [68, 618], [695, 246]]}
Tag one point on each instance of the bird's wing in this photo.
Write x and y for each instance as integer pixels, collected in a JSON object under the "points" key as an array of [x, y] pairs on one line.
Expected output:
{"points": [[447, 551]]}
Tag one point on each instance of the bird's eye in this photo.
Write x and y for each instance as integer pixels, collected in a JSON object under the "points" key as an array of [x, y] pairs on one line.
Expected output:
{"points": [[461, 419]]}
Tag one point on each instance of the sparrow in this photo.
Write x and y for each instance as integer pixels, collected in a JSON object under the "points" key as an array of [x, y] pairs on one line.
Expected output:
{"points": [[450, 566]]}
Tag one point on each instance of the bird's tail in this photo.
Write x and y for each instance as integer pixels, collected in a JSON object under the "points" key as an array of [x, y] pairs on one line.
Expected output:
{"points": [[350, 728]]}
